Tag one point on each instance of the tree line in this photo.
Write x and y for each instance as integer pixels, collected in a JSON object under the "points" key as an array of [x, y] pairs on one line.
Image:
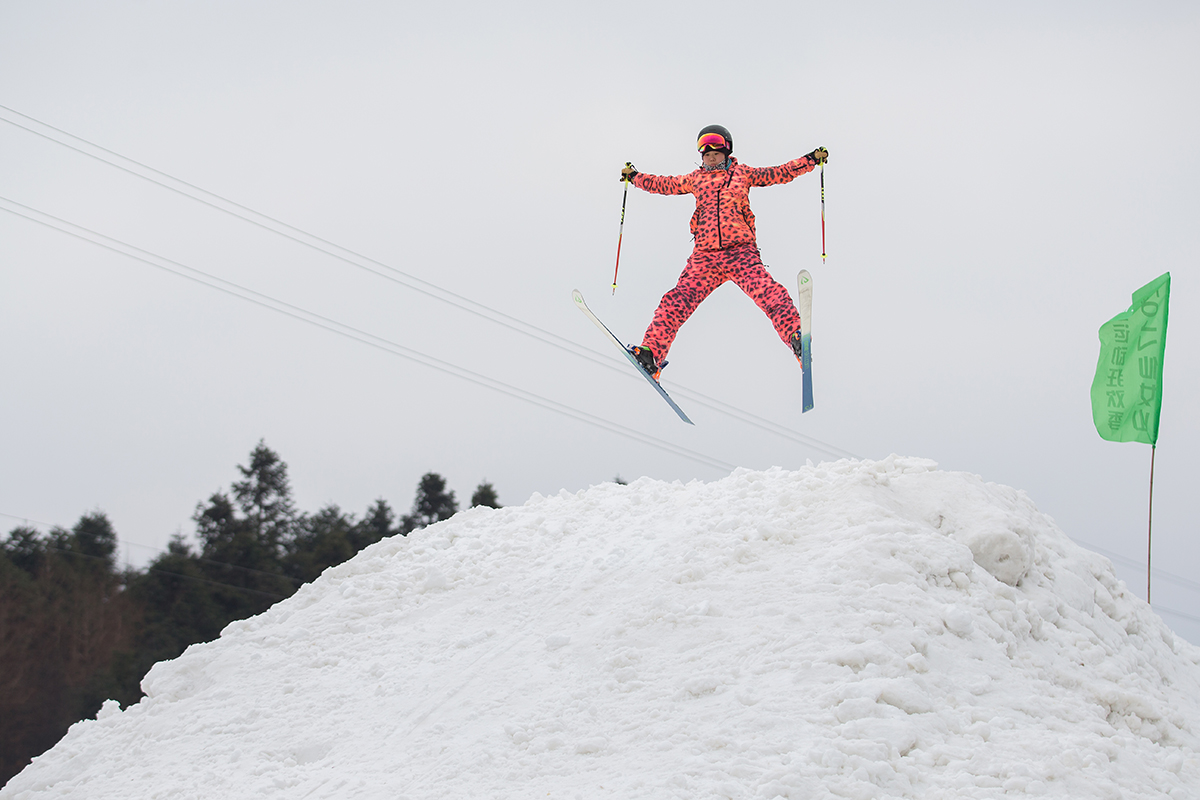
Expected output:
{"points": [[75, 629]]}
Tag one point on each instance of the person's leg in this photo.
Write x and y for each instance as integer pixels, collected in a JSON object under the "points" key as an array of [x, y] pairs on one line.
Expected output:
{"points": [[752, 278], [698, 280]]}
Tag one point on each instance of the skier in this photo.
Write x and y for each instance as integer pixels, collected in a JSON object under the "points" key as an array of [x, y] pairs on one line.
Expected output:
{"points": [[725, 249]]}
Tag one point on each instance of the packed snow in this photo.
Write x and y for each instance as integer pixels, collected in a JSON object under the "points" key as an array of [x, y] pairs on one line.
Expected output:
{"points": [[850, 630]]}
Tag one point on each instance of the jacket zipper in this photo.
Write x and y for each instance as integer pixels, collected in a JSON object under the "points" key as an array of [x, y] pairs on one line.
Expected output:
{"points": [[728, 180], [720, 244]]}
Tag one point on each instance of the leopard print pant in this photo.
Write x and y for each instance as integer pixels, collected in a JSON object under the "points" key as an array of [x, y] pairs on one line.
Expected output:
{"points": [[705, 271]]}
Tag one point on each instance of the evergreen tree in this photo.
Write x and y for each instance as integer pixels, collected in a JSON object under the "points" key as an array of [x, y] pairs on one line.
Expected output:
{"points": [[433, 503], [241, 570], [321, 541], [265, 497], [244, 553], [485, 495], [179, 603], [63, 617], [25, 549], [93, 537], [226, 538], [29, 700], [378, 524]]}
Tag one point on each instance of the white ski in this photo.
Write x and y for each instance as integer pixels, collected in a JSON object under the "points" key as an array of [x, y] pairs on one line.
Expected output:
{"points": [[804, 306], [621, 346]]}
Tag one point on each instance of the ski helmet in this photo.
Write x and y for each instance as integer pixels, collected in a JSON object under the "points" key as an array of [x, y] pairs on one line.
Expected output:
{"points": [[719, 130]]}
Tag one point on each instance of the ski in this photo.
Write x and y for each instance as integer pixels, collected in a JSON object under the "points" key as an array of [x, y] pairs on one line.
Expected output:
{"points": [[804, 304], [625, 350]]}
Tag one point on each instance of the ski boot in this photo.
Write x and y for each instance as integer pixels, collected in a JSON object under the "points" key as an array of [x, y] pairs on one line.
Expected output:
{"points": [[798, 348], [645, 359]]}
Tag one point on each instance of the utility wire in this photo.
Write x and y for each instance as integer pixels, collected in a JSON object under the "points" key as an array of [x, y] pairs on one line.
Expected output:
{"points": [[296, 312], [761, 422], [1158, 573], [180, 574], [1133, 562], [1164, 610], [405, 279], [169, 572]]}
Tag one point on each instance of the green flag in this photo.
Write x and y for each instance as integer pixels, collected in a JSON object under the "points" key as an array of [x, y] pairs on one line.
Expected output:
{"points": [[1127, 390]]}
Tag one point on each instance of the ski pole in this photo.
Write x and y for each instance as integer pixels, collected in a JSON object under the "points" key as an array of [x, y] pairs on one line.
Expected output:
{"points": [[822, 212], [621, 232]]}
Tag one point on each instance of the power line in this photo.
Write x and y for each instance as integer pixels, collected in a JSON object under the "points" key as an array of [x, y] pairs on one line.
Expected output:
{"points": [[1155, 571], [396, 275], [760, 422], [162, 571], [1172, 612], [350, 332]]}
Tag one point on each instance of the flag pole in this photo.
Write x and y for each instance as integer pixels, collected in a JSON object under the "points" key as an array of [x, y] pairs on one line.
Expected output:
{"points": [[1150, 521]]}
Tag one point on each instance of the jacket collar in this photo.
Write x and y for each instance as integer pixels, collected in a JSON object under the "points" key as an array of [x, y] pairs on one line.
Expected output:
{"points": [[728, 164]]}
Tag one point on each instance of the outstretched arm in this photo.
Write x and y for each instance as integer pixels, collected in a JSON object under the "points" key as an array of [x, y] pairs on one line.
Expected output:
{"points": [[785, 173], [663, 184], [657, 184]]}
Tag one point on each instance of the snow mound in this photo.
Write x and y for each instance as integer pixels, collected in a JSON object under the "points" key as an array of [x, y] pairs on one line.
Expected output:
{"points": [[850, 630]]}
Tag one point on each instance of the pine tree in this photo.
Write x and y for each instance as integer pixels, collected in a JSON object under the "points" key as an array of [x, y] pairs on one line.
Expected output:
{"points": [[64, 614], [93, 537], [247, 550], [485, 495], [378, 524], [433, 503], [265, 497], [25, 549], [321, 541], [224, 537]]}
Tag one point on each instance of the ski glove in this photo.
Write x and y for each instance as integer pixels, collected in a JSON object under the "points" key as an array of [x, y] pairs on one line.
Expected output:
{"points": [[820, 155], [628, 172]]}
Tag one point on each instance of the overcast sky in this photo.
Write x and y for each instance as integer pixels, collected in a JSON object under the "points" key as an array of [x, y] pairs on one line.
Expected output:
{"points": [[1001, 178]]}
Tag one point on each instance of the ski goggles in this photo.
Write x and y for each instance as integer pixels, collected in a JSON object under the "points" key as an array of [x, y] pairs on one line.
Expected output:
{"points": [[711, 141]]}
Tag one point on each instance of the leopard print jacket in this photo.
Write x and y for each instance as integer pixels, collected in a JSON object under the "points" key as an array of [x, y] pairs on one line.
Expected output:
{"points": [[723, 217]]}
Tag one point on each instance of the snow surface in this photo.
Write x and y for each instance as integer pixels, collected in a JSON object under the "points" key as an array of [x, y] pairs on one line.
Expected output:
{"points": [[849, 630]]}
